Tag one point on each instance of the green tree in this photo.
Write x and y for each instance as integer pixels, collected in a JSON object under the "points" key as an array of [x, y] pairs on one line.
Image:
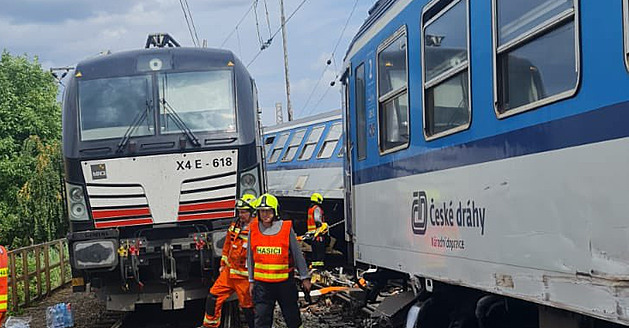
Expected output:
{"points": [[31, 205]]}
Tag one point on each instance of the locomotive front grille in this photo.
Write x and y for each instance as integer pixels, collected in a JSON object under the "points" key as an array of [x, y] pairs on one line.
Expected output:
{"points": [[115, 205], [211, 197], [162, 189]]}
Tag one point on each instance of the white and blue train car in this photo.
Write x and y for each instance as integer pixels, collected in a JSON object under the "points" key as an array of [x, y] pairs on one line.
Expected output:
{"points": [[489, 147], [303, 157]]}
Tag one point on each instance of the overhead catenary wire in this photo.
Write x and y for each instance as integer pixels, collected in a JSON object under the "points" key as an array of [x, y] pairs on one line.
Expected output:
{"points": [[322, 97], [239, 45], [344, 28], [268, 20], [288, 19], [185, 15], [315, 88], [338, 42], [330, 60], [268, 43], [194, 27], [242, 19], [255, 11]]}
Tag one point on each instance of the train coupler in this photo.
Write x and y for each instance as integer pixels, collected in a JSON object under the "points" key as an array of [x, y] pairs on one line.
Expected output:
{"points": [[169, 264]]}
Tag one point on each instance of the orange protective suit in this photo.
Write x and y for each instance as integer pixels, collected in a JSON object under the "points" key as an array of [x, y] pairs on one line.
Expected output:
{"points": [[233, 277]]}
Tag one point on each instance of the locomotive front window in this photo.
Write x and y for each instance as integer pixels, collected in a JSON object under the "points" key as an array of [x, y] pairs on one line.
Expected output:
{"points": [[204, 101], [109, 107]]}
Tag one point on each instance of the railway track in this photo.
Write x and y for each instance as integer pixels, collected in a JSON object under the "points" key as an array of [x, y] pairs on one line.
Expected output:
{"points": [[155, 317], [110, 319], [333, 310], [327, 312]]}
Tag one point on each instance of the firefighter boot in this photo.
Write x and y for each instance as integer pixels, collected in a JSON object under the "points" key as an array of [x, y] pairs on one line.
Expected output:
{"points": [[210, 319]]}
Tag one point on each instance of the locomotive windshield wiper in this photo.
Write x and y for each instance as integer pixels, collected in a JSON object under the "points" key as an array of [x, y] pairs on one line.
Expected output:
{"points": [[137, 120], [181, 124]]}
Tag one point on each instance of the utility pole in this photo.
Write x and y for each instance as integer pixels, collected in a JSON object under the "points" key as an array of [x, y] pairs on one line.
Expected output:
{"points": [[289, 107]]}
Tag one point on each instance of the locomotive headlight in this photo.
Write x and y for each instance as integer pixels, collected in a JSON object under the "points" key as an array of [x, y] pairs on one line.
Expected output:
{"points": [[247, 180], [78, 210], [76, 194], [76, 203]]}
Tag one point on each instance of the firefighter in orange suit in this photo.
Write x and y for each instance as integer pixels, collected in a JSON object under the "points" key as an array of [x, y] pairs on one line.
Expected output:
{"points": [[315, 221], [233, 272], [4, 286], [272, 258]]}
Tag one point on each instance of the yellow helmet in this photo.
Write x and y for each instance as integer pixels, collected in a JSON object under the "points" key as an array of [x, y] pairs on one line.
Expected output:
{"points": [[316, 198], [246, 202], [268, 201]]}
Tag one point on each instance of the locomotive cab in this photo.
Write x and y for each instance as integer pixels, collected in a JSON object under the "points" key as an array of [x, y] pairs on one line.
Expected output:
{"points": [[158, 145]]}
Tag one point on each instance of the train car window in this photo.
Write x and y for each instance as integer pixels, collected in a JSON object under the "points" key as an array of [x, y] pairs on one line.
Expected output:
{"points": [[330, 141], [311, 143], [203, 100], [446, 69], [268, 141], [277, 149], [537, 53], [393, 93], [108, 107], [361, 117], [293, 145]]}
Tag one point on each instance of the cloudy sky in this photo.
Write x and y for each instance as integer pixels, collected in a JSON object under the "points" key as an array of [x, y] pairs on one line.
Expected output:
{"points": [[64, 32]]}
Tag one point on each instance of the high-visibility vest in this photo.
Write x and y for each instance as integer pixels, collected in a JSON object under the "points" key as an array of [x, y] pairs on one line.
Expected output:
{"points": [[271, 256], [237, 251], [312, 226], [4, 280]]}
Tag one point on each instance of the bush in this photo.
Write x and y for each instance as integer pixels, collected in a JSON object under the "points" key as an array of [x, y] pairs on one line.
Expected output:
{"points": [[31, 202]]}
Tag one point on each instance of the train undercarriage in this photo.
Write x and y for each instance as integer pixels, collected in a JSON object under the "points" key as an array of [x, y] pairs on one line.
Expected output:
{"points": [[382, 298], [166, 266]]}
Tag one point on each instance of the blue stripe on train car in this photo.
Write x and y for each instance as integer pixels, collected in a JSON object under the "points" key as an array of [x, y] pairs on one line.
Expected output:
{"points": [[594, 126]]}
